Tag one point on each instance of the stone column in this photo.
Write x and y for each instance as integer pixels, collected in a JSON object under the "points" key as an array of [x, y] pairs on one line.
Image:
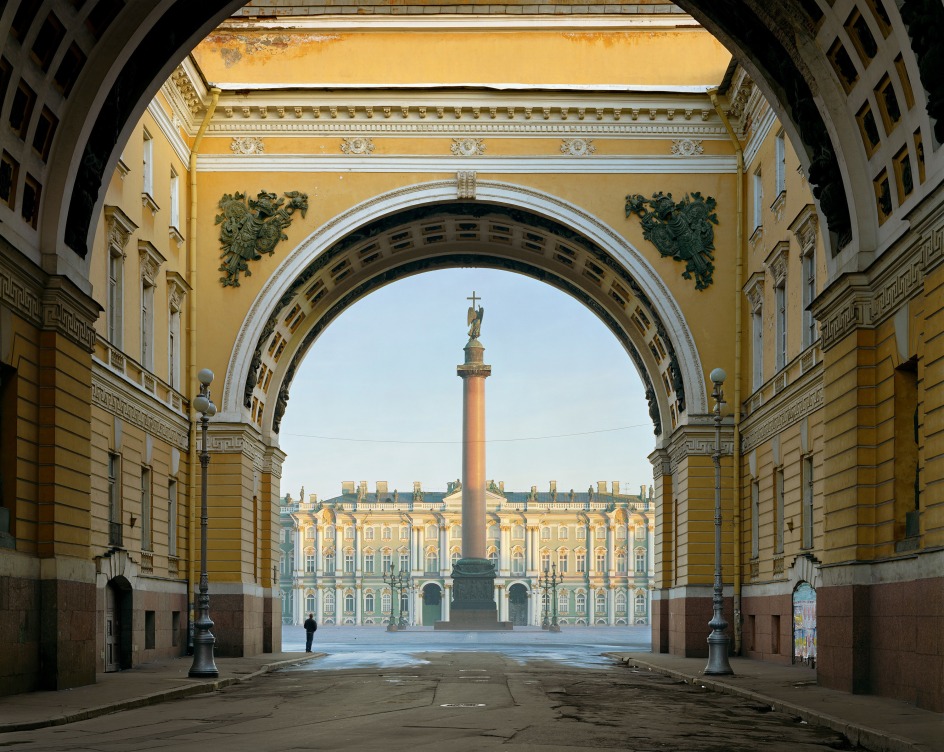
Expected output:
{"points": [[319, 604], [338, 603], [358, 613], [473, 374], [338, 552], [358, 531], [319, 551]]}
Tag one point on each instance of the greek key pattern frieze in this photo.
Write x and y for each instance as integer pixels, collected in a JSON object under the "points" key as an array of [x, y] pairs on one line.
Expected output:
{"points": [[139, 414], [19, 295], [701, 446], [792, 412], [59, 316]]}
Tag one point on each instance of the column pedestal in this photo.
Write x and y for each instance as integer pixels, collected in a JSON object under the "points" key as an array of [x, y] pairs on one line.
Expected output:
{"points": [[473, 605]]}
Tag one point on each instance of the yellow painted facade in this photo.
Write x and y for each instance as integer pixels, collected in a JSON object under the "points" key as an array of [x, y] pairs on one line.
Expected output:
{"points": [[505, 141]]}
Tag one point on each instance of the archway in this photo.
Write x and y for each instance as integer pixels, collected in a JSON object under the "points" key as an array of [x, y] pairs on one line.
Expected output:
{"points": [[432, 604], [518, 605], [118, 627]]}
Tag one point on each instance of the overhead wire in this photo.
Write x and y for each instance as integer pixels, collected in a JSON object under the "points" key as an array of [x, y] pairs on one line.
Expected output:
{"points": [[487, 441]]}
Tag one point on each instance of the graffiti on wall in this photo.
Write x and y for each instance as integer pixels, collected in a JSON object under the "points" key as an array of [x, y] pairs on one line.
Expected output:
{"points": [[804, 624]]}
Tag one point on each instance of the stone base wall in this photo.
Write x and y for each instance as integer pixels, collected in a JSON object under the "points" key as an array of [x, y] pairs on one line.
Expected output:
{"points": [[683, 618], [239, 620], [660, 625], [19, 630], [767, 630]]}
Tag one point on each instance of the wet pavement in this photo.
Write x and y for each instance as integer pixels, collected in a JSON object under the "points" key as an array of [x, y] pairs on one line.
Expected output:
{"points": [[418, 690]]}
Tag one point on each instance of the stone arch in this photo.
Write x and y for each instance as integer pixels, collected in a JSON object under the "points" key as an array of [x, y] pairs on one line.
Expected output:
{"points": [[660, 344]]}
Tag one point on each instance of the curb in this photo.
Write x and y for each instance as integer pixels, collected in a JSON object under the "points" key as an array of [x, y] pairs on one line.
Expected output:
{"points": [[864, 736], [197, 688]]}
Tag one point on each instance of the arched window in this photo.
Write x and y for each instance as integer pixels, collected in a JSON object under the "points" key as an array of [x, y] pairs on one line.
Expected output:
{"points": [[310, 560], [385, 603], [386, 532], [545, 561], [601, 532], [601, 559], [563, 601], [640, 531], [581, 561], [580, 603], [562, 559], [621, 602], [310, 603], [621, 562], [349, 602], [329, 532], [432, 561], [404, 561], [517, 563], [562, 532], [545, 533], [404, 532], [369, 560], [368, 533], [456, 532], [329, 601], [620, 532], [640, 560], [455, 557], [493, 557], [329, 561], [385, 562], [310, 532], [600, 600], [369, 603], [517, 532], [640, 603], [494, 531], [404, 603], [349, 561], [432, 531]]}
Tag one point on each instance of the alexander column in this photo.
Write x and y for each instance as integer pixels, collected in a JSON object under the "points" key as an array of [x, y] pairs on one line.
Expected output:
{"points": [[473, 576]]}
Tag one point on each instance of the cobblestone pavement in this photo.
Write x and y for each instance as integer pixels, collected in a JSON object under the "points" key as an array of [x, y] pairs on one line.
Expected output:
{"points": [[452, 693]]}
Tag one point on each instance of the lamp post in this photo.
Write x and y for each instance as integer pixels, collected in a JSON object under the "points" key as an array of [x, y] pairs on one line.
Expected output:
{"points": [[718, 641], [396, 582], [544, 584], [555, 581], [203, 640]]}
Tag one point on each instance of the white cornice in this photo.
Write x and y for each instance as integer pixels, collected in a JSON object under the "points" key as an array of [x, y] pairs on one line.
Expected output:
{"points": [[758, 133], [169, 131], [704, 164]]}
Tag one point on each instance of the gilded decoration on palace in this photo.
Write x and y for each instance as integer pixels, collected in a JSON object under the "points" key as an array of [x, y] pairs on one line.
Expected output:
{"points": [[681, 230], [252, 228]]}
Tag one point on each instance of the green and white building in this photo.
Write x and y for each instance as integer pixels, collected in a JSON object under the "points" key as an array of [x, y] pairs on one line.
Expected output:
{"points": [[334, 553]]}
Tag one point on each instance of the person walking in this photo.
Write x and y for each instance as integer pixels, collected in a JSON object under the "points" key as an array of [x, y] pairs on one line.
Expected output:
{"points": [[311, 626]]}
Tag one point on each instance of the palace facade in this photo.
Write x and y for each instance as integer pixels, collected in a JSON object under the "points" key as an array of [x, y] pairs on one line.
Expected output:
{"points": [[334, 554]]}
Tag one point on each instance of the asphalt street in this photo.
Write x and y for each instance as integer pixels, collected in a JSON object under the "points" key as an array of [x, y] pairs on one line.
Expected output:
{"points": [[421, 690]]}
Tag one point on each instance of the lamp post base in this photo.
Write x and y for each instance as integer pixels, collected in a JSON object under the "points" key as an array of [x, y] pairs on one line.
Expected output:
{"points": [[718, 664]]}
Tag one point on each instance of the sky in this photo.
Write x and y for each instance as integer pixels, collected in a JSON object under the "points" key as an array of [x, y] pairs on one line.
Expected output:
{"points": [[377, 397]]}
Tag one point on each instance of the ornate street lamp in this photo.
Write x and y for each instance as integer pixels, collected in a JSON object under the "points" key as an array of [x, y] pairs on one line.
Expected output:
{"points": [[203, 640], [395, 581], [544, 584], [555, 581], [718, 641]]}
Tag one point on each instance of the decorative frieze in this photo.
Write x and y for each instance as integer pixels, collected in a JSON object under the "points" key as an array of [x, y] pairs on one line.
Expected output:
{"points": [[177, 289], [467, 147], [118, 228], [577, 147], [360, 145], [792, 411], [69, 312], [754, 290], [687, 147], [247, 145], [777, 263], [19, 291], [151, 262], [465, 184], [148, 416], [804, 227]]}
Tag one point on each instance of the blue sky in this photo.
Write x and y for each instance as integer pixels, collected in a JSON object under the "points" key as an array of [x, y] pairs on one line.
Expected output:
{"points": [[378, 398]]}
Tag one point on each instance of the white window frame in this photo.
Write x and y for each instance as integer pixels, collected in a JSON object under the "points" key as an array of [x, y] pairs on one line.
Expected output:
{"points": [[174, 200], [809, 294], [758, 185], [172, 517], [780, 305], [781, 157], [116, 274]]}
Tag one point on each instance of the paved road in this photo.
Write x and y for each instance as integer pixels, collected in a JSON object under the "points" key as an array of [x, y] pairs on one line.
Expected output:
{"points": [[451, 692]]}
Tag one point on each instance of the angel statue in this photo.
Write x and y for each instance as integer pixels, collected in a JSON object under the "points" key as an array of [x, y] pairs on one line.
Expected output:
{"points": [[474, 318]]}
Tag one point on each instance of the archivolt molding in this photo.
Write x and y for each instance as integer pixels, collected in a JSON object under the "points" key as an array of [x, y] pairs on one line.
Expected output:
{"points": [[113, 396], [502, 194]]}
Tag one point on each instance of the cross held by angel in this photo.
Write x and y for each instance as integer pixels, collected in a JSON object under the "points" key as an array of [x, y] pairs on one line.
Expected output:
{"points": [[474, 318]]}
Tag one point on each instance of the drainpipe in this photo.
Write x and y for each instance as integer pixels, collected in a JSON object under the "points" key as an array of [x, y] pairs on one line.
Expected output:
{"points": [[738, 334], [192, 368]]}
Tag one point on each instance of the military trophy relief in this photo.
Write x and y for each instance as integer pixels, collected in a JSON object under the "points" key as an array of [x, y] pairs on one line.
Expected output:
{"points": [[682, 230], [252, 227]]}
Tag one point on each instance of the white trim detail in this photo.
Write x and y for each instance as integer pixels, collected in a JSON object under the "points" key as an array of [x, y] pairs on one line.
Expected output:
{"points": [[169, 131]]}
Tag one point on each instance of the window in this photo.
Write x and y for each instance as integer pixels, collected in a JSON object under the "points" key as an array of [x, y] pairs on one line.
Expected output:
{"points": [[517, 532], [329, 532], [545, 561], [601, 560], [147, 511], [329, 601], [455, 557], [563, 602], [369, 603], [758, 200], [349, 602], [457, 532], [172, 517], [282, 564], [493, 558], [404, 562], [640, 603], [368, 533], [404, 532], [755, 519], [640, 532], [757, 347], [517, 563], [174, 628], [562, 562], [404, 603], [621, 532], [494, 531], [600, 602], [432, 561], [385, 603], [385, 533], [310, 560], [580, 603], [116, 262], [310, 603], [349, 532], [385, 562], [147, 324], [581, 561], [562, 532], [173, 349], [329, 561], [369, 562], [310, 532], [348, 562], [431, 531], [581, 532], [621, 602], [778, 512], [601, 532], [640, 561], [148, 165], [545, 533], [780, 294], [809, 293], [174, 199], [781, 157], [807, 512], [621, 562]]}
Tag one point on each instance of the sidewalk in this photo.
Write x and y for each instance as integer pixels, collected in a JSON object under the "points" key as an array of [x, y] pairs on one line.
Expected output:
{"points": [[148, 684], [879, 724]]}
